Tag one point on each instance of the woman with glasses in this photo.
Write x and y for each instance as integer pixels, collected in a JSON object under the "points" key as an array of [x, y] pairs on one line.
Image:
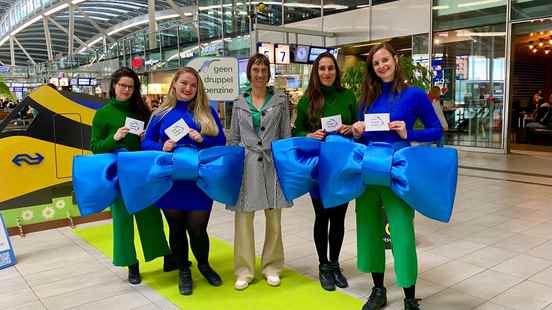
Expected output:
{"points": [[108, 135], [186, 207]]}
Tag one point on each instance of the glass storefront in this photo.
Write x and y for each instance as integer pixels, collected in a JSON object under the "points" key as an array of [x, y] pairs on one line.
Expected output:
{"points": [[527, 9], [456, 14], [469, 67]]}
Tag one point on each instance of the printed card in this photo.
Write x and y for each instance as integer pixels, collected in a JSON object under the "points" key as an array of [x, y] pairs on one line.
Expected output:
{"points": [[376, 121], [135, 126], [331, 123], [178, 130]]}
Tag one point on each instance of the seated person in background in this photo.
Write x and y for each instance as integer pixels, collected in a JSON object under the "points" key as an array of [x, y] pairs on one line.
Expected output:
{"points": [[542, 116]]}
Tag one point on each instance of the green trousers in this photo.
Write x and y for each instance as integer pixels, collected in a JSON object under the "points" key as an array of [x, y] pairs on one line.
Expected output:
{"points": [[371, 230], [150, 229]]}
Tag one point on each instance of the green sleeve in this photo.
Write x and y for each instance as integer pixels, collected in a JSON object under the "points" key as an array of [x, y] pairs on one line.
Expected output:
{"points": [[354, 107], [101, 141], [302, 120]]}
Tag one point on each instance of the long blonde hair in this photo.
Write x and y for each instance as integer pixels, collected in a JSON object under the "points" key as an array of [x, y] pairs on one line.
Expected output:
{"points": [[199, 104]]}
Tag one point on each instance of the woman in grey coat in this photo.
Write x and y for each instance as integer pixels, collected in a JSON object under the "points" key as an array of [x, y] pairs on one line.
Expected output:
{"points": [[260, 116]]}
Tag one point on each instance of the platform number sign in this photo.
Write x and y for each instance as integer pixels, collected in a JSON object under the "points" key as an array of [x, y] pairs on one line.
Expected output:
{"points": [[281, 52], [268, 50], [7, 256]]}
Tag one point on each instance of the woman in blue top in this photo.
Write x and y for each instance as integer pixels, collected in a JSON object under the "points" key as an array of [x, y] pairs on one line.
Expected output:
{"points": [[186, 207], [385, 92]]}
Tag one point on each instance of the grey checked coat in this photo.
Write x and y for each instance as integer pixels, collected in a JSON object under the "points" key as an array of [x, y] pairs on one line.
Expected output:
{"points": [[260, 187]]}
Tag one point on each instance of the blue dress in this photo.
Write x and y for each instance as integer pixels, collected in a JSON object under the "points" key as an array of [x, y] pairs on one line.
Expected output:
{"points": [[184, 195], [408, 105]]}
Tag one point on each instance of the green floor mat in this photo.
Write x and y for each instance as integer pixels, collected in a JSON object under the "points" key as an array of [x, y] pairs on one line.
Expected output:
{"points": [[296, 292]]}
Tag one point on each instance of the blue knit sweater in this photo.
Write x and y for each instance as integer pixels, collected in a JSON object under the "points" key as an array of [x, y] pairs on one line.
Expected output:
{"points": [[408, 105], [184, 195]]}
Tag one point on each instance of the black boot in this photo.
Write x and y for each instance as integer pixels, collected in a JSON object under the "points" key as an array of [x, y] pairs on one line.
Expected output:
{"points": [[210, 275], [340, 280], [134, 274], [326, 277], [377, 299], [411, 304], [169, 263], [185, 281]]}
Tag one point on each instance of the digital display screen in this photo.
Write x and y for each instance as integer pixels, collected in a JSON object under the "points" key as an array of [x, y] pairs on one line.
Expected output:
{"points": [[301, 54], [93, 82], [314, 52], [63, 82], [84, 82], [74, 82]]}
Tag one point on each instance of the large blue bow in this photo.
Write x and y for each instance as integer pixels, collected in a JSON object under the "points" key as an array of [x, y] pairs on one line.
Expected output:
{"points": [[144, 177], [424, 177], [296, 163], [95, 182]]}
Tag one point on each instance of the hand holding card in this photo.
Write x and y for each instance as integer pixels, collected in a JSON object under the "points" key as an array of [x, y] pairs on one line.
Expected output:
{"points": [[134, 126], [376, 121], [178, 130], [331, 123]]}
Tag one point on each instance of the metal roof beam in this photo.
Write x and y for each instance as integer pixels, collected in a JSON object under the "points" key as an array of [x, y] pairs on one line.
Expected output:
{"points": [[91, 21], [48, 39], [82, 43], [24, 50]]}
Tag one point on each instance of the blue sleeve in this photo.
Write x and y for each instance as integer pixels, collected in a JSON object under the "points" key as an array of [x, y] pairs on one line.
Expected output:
{"points": [[219, 139], [432, 127], [151, 136]]}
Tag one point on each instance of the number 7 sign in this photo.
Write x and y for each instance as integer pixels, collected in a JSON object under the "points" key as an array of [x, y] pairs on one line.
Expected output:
{"points": [[282, 54]]}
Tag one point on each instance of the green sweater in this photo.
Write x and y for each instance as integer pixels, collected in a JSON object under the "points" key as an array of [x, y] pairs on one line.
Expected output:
{"points": [[335, 102], [106, 121]]}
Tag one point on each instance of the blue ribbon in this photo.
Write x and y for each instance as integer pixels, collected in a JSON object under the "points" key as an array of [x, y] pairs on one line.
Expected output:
{"points": [[95, 182], [424, 177], [296, 163], [145, 176]]}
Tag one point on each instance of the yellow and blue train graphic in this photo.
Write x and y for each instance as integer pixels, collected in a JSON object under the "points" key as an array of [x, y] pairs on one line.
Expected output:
{"points": [[38, 141]]}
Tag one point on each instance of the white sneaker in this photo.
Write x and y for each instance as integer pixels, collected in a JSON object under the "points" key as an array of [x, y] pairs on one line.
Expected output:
{"points": [[273, 280], [241, 284]]}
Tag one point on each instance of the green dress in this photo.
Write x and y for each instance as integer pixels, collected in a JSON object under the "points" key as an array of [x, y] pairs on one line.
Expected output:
{"points": [[149, 221]]}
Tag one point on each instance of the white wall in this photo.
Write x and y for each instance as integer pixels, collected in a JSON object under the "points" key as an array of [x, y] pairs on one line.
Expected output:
{"points": [[395, 19]]}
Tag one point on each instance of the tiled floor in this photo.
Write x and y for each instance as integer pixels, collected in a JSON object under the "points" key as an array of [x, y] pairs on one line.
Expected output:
{"points": [[495, 254]]}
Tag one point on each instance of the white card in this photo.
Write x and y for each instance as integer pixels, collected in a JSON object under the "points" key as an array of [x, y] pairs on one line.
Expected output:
{"points": [[331, 123], [135, 126], [376, 121], [178, 130]]}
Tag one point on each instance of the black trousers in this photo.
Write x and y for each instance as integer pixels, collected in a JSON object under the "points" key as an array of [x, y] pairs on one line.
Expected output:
{"points": [[335, 219]]}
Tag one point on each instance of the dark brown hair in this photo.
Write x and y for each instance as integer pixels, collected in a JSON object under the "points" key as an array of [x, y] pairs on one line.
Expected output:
{"points": [[257, 59], [314, 90], [372, 87], [136, 102]]}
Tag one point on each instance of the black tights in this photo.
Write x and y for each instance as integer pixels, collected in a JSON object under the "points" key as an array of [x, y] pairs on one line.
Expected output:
{"points": [[194, 223], [409, 292], [335, 216]]}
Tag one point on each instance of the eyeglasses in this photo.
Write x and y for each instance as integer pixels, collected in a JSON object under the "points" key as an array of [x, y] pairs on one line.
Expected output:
{"points": [[124, 86]]}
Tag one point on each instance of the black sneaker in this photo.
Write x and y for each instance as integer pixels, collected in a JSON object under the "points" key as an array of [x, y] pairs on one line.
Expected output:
{"points": [[169, 263], [326, 277], [210, 275], [185, 282], [134, 274], [377, 299], [339, 278], [412, 304]]}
